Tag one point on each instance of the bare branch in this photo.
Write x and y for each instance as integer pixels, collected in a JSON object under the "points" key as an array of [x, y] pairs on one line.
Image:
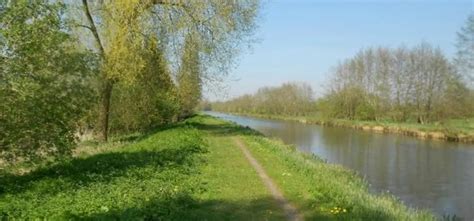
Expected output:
{"points": [[93, 28]]}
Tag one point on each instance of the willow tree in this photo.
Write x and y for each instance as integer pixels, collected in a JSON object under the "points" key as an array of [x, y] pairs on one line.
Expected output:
{"points": [[120, 28]]}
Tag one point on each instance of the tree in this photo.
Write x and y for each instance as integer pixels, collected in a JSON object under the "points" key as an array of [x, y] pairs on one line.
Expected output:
{"points": [[465, 50], [149, 101], [398, 84], [189, 79], [457, 102], [116, 59], [292, 99], [120, 27], [44, 87]]}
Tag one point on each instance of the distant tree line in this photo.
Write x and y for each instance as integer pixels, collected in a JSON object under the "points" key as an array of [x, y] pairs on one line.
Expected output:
{"points": [[417, 84], [112, 66], [402, 84], [289, 99]]}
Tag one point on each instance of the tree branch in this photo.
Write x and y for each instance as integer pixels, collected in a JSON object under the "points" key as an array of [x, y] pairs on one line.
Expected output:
{"points": [[166, 2], [83, 26], [93, 28]]}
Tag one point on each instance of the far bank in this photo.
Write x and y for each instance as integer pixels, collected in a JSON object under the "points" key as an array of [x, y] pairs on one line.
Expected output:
{"points": [[459, 130]]}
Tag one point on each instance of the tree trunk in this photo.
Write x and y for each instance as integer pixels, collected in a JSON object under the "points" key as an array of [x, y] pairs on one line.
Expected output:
{"points": [[105, 108], [106, 92], [421, 119]]}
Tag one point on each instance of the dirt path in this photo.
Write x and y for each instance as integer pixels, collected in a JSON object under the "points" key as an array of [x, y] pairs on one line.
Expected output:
{"points": [[290, 211]]}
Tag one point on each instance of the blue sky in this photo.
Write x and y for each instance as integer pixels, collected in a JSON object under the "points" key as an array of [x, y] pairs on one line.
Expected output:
{"points": [[300, 40]]}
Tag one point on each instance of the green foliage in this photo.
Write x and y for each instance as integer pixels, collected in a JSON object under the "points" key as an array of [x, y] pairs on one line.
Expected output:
{"points": [[189, 79], [49, 82], [417, 84], [121, 30], [377, 84], [44, 85], [290, 99], [350, 102], [151, 100], [465, 50], [457, 101]]}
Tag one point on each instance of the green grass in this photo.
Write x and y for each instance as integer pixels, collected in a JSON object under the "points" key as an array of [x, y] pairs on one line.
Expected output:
{"points": [[151, 179], [323, 191], [234, 191], [316, 187], [191, 171]]}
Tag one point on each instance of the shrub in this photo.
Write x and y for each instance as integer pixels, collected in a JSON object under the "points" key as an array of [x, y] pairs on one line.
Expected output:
{"points": [[44, 82]]}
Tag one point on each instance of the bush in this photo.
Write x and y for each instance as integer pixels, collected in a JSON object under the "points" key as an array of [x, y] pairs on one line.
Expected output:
{"points": [[149, 101], [44, 86]]}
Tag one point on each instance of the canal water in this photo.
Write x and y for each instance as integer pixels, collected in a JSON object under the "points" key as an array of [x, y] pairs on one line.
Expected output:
{"points": [[427, 174]]}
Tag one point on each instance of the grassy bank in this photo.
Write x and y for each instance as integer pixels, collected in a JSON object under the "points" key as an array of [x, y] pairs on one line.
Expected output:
{"points": [[460, 130], [192, 171]]}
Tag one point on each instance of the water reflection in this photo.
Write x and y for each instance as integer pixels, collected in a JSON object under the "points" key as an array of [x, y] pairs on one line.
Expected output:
{"points": [[423, 173]]}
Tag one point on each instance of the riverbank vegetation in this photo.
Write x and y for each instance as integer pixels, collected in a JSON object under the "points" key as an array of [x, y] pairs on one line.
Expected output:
{"points": [[187, 171], [399, 89], [96, 116], [72, 70]]}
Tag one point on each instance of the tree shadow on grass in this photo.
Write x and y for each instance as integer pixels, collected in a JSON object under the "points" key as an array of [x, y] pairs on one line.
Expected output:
{"points": [[103, 167], [136, 137], [186, 207]]}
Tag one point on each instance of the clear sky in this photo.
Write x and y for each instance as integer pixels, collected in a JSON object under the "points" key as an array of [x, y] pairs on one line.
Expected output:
{"points": [[300, 40]]}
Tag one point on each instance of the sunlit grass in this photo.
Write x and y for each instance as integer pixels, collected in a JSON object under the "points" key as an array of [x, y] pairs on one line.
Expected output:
{"points": [[191, 171], [153, 178], [324, 191]]}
